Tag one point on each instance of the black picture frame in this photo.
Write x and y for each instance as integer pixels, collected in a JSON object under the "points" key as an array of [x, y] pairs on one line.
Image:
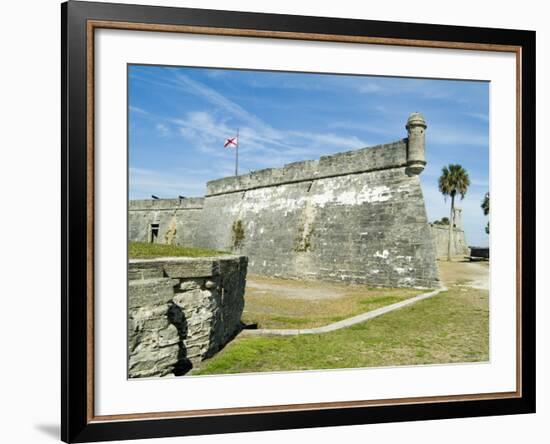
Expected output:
{"points": [[77, 424]]}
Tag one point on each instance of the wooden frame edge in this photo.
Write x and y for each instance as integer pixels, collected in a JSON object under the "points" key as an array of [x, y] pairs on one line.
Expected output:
{"points": [[285, 408], [95, 24], [236, 32], [90, 206]]}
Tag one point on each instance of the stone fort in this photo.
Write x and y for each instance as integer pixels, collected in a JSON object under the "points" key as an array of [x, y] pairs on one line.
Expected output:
{"points": [[357, 216]]}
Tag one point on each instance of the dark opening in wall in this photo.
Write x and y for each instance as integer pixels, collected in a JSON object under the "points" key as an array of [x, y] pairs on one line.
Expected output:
{"points": [[154, 233]]}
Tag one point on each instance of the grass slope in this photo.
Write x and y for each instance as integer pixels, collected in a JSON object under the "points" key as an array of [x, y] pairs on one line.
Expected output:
{"points": [[142, 250], [451, 327]]}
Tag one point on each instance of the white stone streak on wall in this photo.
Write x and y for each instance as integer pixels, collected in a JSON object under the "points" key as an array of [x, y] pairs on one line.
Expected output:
{"points": [[366, 194], [276, 200], [383, 255]]}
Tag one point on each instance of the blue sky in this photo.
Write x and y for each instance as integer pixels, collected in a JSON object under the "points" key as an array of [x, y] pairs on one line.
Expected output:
{"points": [[179, 118]]}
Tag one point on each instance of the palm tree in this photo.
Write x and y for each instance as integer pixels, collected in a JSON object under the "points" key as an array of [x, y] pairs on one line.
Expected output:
{"points": [[485, 208], [453, 180]]}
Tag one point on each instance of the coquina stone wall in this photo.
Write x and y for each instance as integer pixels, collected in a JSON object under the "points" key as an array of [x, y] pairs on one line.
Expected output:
{"points": [[367, 227], [357, 216], [181, 311], [459, 246], [177, 220]]}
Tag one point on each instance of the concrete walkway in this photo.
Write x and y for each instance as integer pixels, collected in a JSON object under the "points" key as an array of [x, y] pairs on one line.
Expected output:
{"points": [[343, 323]]}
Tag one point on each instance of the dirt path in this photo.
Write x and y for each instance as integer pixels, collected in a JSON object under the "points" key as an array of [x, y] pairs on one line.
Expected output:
{"points": [[343, 323], [269, 300], [465, 274]]}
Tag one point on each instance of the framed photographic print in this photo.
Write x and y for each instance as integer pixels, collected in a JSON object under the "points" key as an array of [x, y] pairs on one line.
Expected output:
{"points": [[275, 221]]}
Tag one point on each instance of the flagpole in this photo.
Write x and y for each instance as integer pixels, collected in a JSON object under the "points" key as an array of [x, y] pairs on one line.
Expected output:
{"points": [[237, 155]]}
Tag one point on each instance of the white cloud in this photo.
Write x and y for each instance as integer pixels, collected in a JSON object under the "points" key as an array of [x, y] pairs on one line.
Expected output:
{"points": [[207, 133], [484, 117], [343, 142], [263, 145], [369, 88], [162, 129], [219, 100], [137, 110], [479, 183], [385, 130], [145, 182], [452, 135]]}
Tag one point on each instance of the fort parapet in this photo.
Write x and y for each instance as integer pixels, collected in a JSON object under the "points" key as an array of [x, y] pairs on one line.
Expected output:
{"points": [[357, 216], [391, 155]]}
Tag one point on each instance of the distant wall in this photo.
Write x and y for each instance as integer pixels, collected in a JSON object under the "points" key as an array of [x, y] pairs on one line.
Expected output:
{"points": [[181, 311], [177, 220], [440, 234]]}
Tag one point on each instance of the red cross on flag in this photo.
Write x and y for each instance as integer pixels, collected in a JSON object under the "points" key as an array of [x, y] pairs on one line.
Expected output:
{"points": [[231, 142]]}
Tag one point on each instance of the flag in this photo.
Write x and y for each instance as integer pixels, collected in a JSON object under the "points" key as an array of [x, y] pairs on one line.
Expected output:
{"points": [[231, 142]]}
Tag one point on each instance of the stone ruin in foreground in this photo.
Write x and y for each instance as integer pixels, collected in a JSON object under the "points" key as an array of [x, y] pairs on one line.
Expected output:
{"points": [[181, 311]]}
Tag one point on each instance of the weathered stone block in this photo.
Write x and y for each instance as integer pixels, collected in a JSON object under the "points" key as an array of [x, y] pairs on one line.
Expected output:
{"points": [[150, 292], [440, 235], [168, 336], [190, 284], [191, 268], [176, 322]]}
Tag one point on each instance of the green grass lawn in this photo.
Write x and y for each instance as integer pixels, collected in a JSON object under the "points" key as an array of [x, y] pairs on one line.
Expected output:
{"points": [[451, 327], [280, 303], [142, 250]]}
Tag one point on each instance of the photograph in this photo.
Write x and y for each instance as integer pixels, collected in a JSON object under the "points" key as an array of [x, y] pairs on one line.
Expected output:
{"points": [[276, 220], [266, 222], [286, 221]]}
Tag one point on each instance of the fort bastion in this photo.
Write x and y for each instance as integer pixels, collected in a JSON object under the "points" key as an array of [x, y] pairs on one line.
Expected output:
{"points": [[357, 216]]}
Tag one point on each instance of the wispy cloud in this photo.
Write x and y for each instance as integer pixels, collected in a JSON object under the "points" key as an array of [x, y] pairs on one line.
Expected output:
{"points": [[480, 183], [138, 110], [145, 182], [331, 139], [431, 89], [219, 100], [263, 142], [162, 129], [384, 130], [444, 134], [484, 117], [207, 133], [368, 88]]}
